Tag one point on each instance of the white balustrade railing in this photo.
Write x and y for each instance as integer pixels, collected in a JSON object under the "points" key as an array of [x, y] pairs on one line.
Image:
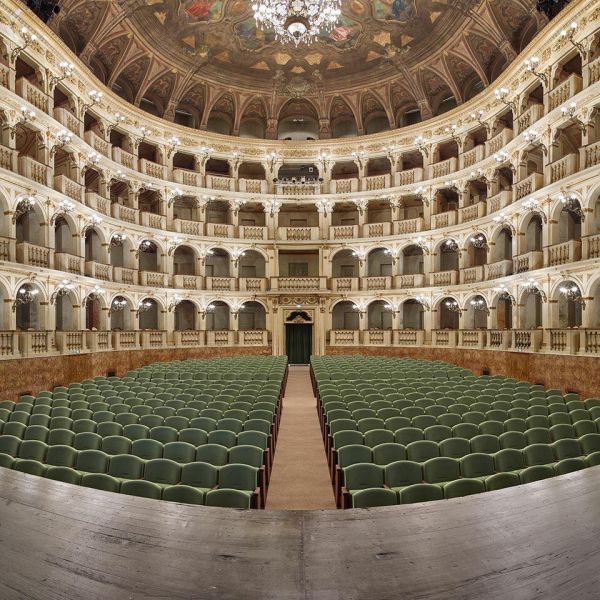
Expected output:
{"points": [[445, 219], [564, 91], [534, 113], [298, 284], [409, 281], [527, 340], [443, 278], [299, 234], [376, 283], [444, 337], [472, 338], [187, 339], [409, 337], [98, 144], [409, 226], [98, 270], [123, 157], [471, 213], [255, 337], [564, 341], [498, 269], [560, 254], [344, 284], [408, 177], [36, 256], [372, 230], [499, 339], [344, 337], [471, 274], [564, 167], [528, 262], [221, 284], [187, 282], [377, 337], [530, 184], [253, 232], [97, 203], [186, 177], [254, 285], [188, 227], [152, 169], [343, 232]]}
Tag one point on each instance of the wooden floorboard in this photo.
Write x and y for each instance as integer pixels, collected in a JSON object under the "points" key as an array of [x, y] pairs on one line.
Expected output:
{"points": [[541, 540]]}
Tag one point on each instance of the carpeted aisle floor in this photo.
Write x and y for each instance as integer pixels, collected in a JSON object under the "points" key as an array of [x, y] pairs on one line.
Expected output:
{"points": [[300, 477]]}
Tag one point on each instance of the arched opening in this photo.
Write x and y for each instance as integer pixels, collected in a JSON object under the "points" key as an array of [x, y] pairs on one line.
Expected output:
{"points": [[148, 314], [217, 319], [379, 315], [121, 251], [476, 251], [379, 211], [252, 316], [252, 265], [119, 194], [412, 315], [504, 313], [476, 313], [148, 256], [217, 212], [413, 260], [531, 310], [534, 234], [379, 263], [344, 264], [185, 316], [298, 120], [29, 226], [93, 313], [569, 222], [449, 313], [186, 208], [218, 264], [30, 315], [503, 245], [184, 261], [120, 314], [65, 317], [448, 256], [570, 305], [344, 214], [64, 241], [345, 316]]}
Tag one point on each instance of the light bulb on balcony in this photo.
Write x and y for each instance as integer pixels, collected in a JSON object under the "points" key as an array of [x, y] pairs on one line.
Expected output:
{"points": [[569, 110], [93, 158], [27, 115], [95, 96]]}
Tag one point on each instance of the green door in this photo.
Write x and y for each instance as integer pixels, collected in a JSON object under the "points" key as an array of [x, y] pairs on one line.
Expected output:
{"points": [[298, 341]]}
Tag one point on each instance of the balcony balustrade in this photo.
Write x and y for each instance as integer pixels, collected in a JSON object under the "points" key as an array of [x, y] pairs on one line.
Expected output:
{"points": [[344, 284], [344, 186], [221, 284], [495, 144], [564, 341], [98, 144], [254, 285], [375, 182], [68, 187], [528, 262], [445, 219], [377, 337], [188, 282], [564, 167], [499, 201], [253, 232], [443, 278], [152, 169], [472, 338], [71, 342], [9, 347], [471, 213], [472, 156], [187, 339], [153, 279], [371, 230], [379, 283], [298, 284], [526, 120], [98, 270], [565, 91], [560, 254], [123, 275], [499, 339], [123, 157], [186, 177], [253, 186], [98, 341], [68, 263], [33, 170], [126, 340], [253, 337], [590, 342], [409, 226], [32, 94], [502, 268], [220, 183], [148, 219], [530, 184], [408, 177], [409, 281], [443, 168], [221, 230], [153, 339], [188, 227], [344, 337], [36, 343], [68, 120], [472, 274], [299, 234], [97, 203], [527, 340], [35, 256], [343, 232], [220, 338], [447, 338], [409, 337], [124, 213]]}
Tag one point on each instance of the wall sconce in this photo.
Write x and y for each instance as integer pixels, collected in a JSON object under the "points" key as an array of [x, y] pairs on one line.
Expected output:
{"points": [[572, 293], [118, 305], [571, 203], [64, 207], [452, 185], [206, 309], [204, 254], [392, 308], [422, 243], [94, 294], [325, 206], [478, 116], [175, 243], [479, 241], [92, 161], [452, 306], [271, 159], [480, 305], [145, 246], [172, 144], [480, 175], [175, 302], [119, 120], [272, 206], [27, 116], [360, 255], [420, 143], [66, 72], [531, 64], [325, 159], [394, 253], [24, 205], [236, 308], [28, 39], [116, 239], [532, 287], [424, 302], [25, 295], [534, 138], [532, 205], [392, 153], [360, 307], [173, 195], [62, 289], [421, 195], [63, 138], [205, 153], [143, 307], [236, 254], [450, 245], [569, 34], [92, 222], [94, 97], [501, 157], [236, 204], [452, 132], [360, 156], [361, 205], [505, 294], [501, 94]]}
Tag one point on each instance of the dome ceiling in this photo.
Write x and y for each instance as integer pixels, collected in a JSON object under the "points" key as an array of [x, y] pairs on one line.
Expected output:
{"points": [[384, 58]]}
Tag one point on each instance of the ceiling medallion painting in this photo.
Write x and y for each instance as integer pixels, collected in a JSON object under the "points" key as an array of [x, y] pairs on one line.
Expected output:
{"points": [[408, 55]]}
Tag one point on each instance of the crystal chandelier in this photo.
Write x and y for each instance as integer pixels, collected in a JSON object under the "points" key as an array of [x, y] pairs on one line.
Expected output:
{"points": [[296, 21]]}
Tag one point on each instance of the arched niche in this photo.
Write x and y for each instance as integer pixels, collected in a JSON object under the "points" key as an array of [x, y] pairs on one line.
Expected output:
{"points": [[379, 315], [447, 256], [184, 261], [569, 305], [476, 313], [530, 310], [219, 316], [120, 315], [413, 260], [379, 263], [93, 248], [218, 263], [148, 256], [252, 264], [29, 226], [252, 316], [345, 316], [185, 316], [448, 313], [65, 307], [30, 312], [412, 315], [149, 314], [344, 264]]}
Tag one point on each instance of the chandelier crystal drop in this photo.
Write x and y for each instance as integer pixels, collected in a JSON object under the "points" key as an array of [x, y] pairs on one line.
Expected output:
{"points": [[296, 21]]}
